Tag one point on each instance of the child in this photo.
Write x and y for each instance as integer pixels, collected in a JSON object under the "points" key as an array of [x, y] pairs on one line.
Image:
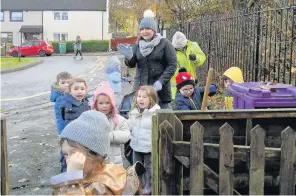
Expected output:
{"points": [[85, 144], [104, 101], [114, 77], [233, 74], [58, 90], [188, 96], [75, 102], [140, 122]]}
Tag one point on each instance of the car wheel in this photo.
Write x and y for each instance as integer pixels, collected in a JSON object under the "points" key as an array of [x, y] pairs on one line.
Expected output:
{"points": [[15, 54], [42, 53], [48, 54]]}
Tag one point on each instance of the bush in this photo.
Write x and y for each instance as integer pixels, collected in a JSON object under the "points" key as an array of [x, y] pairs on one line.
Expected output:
{"points": [[87, 46]]}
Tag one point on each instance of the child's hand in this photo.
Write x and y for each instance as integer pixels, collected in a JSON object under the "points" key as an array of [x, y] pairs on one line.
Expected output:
{"points": [[76, 161]]}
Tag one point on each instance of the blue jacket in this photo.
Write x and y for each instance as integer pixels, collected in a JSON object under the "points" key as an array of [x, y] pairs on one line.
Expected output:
{"points": [[195, 101], [72, 108], [114, 80], [56, 97]]}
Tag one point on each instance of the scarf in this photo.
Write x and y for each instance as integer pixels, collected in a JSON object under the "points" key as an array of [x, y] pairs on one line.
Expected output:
{"points": [[147, 47]]}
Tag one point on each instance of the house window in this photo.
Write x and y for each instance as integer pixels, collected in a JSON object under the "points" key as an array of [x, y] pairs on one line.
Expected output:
{"points": [[60, 15], [6, 37], [65, 16], [16, 16], [57, 15], [60, 36], [2, 16]]}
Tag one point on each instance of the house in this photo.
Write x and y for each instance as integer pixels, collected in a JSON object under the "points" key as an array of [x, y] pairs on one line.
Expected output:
{"points": [[53, 20]]}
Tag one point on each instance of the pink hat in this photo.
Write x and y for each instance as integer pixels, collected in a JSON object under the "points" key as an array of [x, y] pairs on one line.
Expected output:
{"points": [[105, 89]]}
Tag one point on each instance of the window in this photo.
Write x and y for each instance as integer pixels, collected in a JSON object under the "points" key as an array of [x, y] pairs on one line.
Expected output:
{"points": [[57, 16], [37, 43], [6, 37], [60, 36], [27, 44], [2, 16], [16, 16], [60, 15], [65, 16]]}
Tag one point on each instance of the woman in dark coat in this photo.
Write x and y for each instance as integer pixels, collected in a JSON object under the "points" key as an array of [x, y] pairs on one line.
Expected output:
{"points": [[154, 57]]}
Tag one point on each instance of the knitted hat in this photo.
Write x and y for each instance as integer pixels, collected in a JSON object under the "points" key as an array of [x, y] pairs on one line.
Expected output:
{"points": [[184, 78], [148, 21], [112, 66], [179, 40], [91, 129], [105, 89]]}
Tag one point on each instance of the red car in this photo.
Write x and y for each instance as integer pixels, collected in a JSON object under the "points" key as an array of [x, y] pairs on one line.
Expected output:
{"points": [[33, 48]]}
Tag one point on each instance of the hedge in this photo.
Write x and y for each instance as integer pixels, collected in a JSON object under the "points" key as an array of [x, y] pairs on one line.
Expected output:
{"points": [[87, 46]]}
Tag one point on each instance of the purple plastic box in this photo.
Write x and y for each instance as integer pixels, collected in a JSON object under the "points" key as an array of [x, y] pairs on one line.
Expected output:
{"points": [[252, 95]]}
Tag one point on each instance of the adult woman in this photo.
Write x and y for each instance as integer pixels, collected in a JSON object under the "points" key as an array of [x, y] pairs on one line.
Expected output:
{"points": [[154, 57], [77, 46]]}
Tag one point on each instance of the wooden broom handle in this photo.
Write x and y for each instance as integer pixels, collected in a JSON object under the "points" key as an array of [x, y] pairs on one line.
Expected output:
{"points": [[207, 90]]}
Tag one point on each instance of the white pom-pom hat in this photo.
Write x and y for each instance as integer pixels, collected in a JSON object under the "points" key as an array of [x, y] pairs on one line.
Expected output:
{"points": [[148, 21]]}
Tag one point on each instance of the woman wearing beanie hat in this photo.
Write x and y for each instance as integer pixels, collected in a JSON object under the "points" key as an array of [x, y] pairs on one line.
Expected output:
{"points": [[85, 144], [154, 57], [189, 56]]}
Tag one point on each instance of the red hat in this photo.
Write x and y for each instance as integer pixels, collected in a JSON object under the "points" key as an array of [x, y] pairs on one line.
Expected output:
{"points": [[184, 78]]}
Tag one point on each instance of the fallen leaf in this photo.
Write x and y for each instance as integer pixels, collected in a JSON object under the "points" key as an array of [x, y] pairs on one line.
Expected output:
{"points": [[23, 180], [10, 165], [14, 137]]}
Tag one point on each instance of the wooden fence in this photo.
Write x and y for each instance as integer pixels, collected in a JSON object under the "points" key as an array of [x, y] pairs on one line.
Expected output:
{"points": [[226, 154], [4, 160]]}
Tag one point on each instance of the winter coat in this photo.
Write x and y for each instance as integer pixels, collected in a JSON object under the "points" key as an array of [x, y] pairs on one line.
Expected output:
{"points": [[195, 101], [111, 180], [72, 108], [159, 65], [56, 96], [77, 45], [190, 66], [114, 80], [141, 127], [119, 135]]}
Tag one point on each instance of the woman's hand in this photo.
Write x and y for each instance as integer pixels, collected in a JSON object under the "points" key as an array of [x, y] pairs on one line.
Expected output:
{"points": [[76, 161], [125, 50], [157, 86]]}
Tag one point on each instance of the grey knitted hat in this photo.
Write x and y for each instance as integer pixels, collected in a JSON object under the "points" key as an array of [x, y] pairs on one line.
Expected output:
{"points": [[148, 21], [91, 129]]}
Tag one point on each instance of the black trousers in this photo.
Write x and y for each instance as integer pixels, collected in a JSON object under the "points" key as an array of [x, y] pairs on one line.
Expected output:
{"points": [[78, 51]]}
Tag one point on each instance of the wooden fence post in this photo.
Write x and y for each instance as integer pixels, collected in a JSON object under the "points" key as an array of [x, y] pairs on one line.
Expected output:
{"points": [[257, 159], [287, 169], [178, 165], [226, 162], [166, 161], [4, 160], [155, 157], [196, 159]]}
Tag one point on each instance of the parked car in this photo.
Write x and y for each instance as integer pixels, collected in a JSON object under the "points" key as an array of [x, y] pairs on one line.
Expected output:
{"points": [[33, 48]]}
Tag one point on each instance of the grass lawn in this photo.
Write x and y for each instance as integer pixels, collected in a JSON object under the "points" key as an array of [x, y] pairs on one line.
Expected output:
{"points": [[9, 62]]}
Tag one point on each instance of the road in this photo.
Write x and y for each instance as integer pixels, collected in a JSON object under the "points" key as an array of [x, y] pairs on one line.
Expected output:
{"points": [[37, 80], [33, 149]]}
